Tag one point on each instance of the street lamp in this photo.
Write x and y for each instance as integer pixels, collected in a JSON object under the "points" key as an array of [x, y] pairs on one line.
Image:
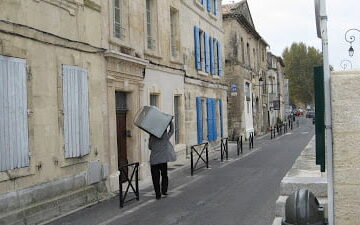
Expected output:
{"points": [[350, 39], [345, 63]]}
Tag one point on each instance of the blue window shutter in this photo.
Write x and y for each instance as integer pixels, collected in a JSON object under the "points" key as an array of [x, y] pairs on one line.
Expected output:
{"points": [[209, 5], [197, 47], [219, 58], [216, 8], [204, 2], [212, 62], [207, 53], [199, 120], [221, 118], [214, 119], [209, 119]]}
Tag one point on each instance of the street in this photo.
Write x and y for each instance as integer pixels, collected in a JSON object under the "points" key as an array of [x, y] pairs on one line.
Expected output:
{"points": [[241, 191]]}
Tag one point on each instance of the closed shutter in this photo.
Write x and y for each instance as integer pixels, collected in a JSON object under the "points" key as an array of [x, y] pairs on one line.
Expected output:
{"points": [[209, 5], [76, 111], [216, 8], [209, 118], [199, 120], [219, 58], [221, 118], [14, 144], [197, 48], [214, 122], [207, 53], [212, 62]]}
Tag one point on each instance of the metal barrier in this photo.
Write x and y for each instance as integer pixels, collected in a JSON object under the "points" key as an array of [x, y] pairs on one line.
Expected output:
{"points": [[199, 150], [124, 175], [224, 147], [239, 145], [251, 140]]}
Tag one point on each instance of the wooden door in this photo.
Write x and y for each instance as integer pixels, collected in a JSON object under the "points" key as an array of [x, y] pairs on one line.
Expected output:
{"points": [[121, 130]]}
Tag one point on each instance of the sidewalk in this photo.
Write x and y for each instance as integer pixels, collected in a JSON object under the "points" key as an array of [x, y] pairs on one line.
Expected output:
{"points": [[303, 174]]}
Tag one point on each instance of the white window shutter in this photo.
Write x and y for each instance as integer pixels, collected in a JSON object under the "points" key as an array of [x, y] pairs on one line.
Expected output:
{"points": [[14, 143], [76, 111]]}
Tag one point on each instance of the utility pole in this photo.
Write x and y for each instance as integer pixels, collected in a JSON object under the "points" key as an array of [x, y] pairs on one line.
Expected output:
{"points": [[321, 24]]}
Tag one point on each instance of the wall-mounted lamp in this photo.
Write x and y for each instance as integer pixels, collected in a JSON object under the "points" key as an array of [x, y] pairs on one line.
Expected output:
{"points": [[350, 39], [346, 64]]}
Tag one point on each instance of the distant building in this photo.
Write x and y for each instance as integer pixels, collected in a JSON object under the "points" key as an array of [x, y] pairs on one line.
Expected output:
{"points": [[275, 84], [245, 69]]}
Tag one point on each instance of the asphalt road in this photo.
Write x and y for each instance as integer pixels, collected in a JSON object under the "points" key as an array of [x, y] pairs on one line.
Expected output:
{"points": [[241, 191]]}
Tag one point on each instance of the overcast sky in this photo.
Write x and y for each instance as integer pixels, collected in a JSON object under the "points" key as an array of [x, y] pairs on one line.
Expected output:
{"points": [[282, 22]]}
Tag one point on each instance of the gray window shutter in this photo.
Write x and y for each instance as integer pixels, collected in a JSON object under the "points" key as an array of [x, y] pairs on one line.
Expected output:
{"points": [[76, 111], [14, 143]]}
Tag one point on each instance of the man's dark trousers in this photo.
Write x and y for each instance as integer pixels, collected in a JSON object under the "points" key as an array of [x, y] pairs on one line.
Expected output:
{"points": [[155, 174]]}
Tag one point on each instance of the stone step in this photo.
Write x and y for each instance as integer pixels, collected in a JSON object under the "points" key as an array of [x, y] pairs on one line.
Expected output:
{"points": [[52, 208], [280, 205], [317, 185]]}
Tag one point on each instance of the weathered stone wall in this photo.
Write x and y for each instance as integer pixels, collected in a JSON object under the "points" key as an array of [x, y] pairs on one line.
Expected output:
{"points": [[238, 70], [48, 34], [346, 138]]}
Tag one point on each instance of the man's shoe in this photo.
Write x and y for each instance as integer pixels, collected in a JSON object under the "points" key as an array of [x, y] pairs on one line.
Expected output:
{"points": [[158, 197], [164, 193]]}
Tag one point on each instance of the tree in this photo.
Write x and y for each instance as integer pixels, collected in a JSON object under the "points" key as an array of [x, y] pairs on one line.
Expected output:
{"points": [[299, 62]]}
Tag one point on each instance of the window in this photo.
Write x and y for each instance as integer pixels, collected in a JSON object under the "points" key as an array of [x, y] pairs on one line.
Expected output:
{"points": [[248, 53], [202, 50], [242, 50], [216, 57], [174, 21], [154, 100], [247, 91], [14, 145], [151, 24], [254, 55], [119, 31], [214, 6], [177, 118], [76, 111]]}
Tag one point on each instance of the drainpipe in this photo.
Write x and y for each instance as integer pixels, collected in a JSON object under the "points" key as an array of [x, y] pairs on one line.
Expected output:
{"points": [[321, 22]]}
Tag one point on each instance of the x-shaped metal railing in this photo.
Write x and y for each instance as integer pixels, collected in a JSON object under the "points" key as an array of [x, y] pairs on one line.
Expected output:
{"points": [[224, 147], [124, 175], [199, 150]]}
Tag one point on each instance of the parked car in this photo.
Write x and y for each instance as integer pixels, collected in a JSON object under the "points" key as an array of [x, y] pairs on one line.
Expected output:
{"points": [[310, 114]]}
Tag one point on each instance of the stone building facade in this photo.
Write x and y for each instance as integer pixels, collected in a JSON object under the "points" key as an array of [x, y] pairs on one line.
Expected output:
{"points": [[245, 69], [275, 85], [83, 70], [205, 88], [53, 107]]}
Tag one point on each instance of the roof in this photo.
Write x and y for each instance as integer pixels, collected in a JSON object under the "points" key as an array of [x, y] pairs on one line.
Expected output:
{"points": [[228, 7], [241, 12]]}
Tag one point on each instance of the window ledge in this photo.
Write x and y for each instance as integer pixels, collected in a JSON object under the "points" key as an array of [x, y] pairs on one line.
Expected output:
{"points": [[74, 161], [16, 173], [199, 5], [176, 61], [152, 54], [216, 77], [212, 15], [202, 73]]}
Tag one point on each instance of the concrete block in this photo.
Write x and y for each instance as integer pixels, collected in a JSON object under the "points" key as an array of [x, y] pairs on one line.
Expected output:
{"points": [[277, 221], [22, 198], [94, 172], [317, 185]]}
